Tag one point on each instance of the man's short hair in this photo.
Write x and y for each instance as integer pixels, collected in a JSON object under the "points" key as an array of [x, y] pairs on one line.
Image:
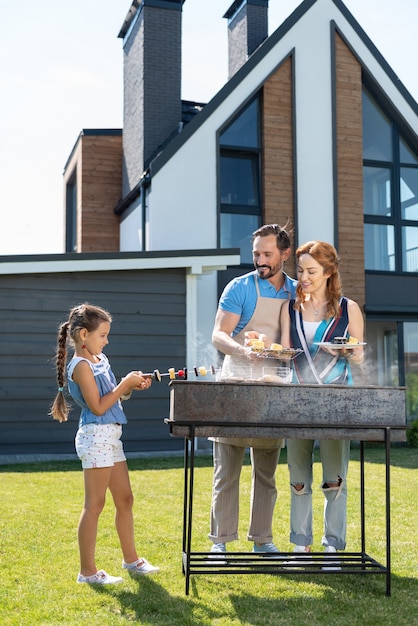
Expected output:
{"points": [[282, 236]]}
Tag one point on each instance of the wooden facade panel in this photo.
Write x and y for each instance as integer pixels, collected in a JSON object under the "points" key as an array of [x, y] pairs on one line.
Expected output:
{"points": [[100, 189], [349, 132], [278, 166], [148, 332]]}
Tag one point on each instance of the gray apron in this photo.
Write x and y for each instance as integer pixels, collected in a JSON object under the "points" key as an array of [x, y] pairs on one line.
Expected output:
{"points": [[265, 319]]}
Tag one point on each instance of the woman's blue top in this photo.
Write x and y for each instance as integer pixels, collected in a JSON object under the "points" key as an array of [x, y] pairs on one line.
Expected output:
{"points": [[315, 365]]}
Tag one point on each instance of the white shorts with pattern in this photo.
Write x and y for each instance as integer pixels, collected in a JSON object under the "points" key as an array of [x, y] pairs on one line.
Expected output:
{"points": [[99, 445]]}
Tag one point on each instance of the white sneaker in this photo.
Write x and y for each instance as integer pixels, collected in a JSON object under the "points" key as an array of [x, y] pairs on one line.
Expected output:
{"points": [[299, 562], [302, 549], [100, 578], [331, 565], [217, 552], [269, 549], [218, 547], [140, 567]]}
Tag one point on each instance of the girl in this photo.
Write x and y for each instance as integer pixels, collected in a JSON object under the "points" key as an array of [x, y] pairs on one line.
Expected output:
{"points": [[92, 385], [318, 314]]}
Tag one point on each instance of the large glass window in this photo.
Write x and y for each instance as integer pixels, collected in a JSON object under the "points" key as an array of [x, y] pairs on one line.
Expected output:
{"points": [[71, 213], [411, 368], [239, 181], [409, 193], [377, 131], [382, 365], [239, 175], [377, 191], [410, 249], [390, 182], [379, 247], [243, 131], [236, 232]]}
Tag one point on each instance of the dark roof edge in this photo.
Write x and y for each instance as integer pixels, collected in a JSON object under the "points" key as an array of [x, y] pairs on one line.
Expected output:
{"points": [[90, 256], [137, 6], [97, 132], [238, 3], [378, 55]]}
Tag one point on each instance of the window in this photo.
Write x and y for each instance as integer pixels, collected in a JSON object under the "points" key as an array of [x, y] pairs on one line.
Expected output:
{"points": [[71, 214], [239, 172], [390, 183], [411, 369], [382, 351]]}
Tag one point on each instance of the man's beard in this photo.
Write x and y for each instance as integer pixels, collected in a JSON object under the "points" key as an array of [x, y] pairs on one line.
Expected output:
{"points": [[266, 271]]}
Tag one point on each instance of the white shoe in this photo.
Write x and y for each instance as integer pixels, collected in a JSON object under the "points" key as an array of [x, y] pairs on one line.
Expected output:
{"points": [[100, 578], [331, 565], [269, 549], [140, 567], [217, 552], [299, 562], [218, 547]]}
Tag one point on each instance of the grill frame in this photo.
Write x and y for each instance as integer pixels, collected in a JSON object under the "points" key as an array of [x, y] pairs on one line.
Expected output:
{"points": [[202, 409]]}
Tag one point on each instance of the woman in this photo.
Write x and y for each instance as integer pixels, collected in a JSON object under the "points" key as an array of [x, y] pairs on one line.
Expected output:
{"points": [[319, 314]]}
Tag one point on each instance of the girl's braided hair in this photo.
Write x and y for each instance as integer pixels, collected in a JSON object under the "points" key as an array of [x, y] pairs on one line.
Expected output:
{"points": [[86, 316]]}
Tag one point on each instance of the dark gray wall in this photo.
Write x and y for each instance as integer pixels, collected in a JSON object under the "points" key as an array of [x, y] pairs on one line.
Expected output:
{"points": [[148, 332], [152, 86]]}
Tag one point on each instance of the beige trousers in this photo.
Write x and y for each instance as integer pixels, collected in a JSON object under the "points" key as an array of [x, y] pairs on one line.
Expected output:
{"points": [[228, 462]]}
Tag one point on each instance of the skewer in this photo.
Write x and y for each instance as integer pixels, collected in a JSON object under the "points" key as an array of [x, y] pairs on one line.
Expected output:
{"points": [[181, 373]]}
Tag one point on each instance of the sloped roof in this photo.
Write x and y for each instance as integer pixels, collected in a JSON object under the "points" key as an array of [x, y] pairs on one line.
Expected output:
{"points": [[265, 48]]}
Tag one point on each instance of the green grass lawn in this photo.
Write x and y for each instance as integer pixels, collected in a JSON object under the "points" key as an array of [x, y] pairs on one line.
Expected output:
{"points": [[39, 511]]}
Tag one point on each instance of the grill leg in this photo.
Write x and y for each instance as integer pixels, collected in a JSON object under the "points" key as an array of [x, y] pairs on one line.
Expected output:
{"points": [[362, 500], [189, 508], [388, 563]]}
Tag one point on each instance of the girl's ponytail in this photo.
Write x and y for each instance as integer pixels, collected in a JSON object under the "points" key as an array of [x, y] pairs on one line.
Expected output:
{"points": [[59, 408]]}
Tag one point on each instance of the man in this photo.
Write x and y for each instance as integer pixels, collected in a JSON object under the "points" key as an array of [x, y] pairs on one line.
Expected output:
{"points": [[251, 302]]}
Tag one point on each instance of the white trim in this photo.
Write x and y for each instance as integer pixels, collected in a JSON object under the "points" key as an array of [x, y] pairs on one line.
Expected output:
{"points": [[194, 264]]}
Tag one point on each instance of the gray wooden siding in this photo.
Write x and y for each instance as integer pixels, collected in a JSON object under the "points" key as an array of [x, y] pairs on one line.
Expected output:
{"points": [[148, 332]]}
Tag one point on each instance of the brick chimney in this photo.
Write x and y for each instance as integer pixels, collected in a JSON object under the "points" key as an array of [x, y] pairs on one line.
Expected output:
{"points": [[151, 35], [247, 29]]}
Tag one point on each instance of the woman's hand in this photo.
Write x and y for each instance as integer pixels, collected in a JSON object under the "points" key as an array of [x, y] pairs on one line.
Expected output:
{"points": [[348, 352]]}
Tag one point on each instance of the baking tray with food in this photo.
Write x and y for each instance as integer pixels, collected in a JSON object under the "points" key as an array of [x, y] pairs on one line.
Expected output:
{"points": [[275, 351]]}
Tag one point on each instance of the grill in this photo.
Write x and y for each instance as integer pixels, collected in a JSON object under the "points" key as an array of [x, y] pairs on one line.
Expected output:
{"points": [[258, 409]]}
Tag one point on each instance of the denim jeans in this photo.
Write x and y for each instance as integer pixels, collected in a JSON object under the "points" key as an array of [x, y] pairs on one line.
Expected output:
{"points": [[335, 456]]}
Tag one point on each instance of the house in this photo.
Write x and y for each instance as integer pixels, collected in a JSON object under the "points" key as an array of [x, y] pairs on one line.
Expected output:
{"points": [[312, 128]]}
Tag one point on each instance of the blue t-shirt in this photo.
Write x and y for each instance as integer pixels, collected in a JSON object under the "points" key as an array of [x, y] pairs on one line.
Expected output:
{"points": [[106, 381], [240, 295]]}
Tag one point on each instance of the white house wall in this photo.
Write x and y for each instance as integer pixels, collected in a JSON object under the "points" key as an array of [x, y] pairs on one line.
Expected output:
{"points": [[131, 230], [182, 196], [200, 350], [314, 149]]}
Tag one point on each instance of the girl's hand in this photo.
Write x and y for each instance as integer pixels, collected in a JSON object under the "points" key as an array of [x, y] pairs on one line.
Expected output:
{"points": [[136, 380]]}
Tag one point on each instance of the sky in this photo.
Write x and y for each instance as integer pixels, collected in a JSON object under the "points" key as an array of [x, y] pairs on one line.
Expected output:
{"points": [[61, 67]]}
